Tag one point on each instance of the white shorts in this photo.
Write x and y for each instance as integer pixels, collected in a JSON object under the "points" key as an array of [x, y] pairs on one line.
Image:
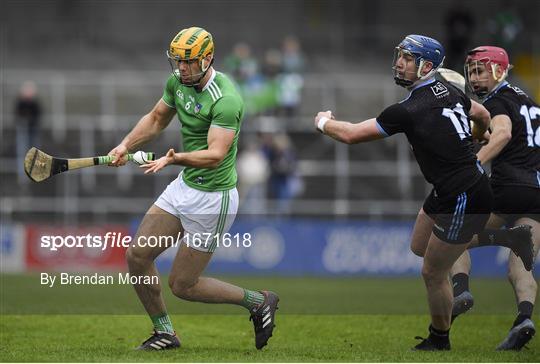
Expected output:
{"points": [[205, 216]]}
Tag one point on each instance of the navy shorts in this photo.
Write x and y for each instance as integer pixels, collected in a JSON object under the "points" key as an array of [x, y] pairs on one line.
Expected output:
{"points": [[459, 217], [513, 202]]}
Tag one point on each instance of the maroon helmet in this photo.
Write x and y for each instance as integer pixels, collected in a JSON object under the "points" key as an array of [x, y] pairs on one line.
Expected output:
{"points": [[492, 58]]}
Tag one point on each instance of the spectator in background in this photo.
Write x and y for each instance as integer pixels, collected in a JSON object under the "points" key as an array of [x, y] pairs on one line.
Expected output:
{"points": [[27, 120], [285, 184], [293, 61], [290, 93], [244, 69], [459, 23], [242, 66], [291, 80], [253, 172], [274, 88], [273, 64], [268, 97]]}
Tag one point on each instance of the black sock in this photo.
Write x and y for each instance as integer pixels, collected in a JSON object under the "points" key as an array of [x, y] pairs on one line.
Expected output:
{"points": [[438, 336], [438, 332], [497, 237], [525, 309], [460, 282]]}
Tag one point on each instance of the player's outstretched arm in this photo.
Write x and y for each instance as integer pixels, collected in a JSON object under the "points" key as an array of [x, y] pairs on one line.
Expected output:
{"points": [[481, 120], [219, 142], [501, 133], [347, 132], [148, 127]]}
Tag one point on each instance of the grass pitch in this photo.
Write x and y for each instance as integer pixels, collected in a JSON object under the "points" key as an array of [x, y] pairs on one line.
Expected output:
{"points": [[320, 319]]}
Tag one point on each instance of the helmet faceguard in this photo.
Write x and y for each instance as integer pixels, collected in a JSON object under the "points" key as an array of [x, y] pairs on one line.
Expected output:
{"points": [[422, 49], [191, 45], [490, 59]]}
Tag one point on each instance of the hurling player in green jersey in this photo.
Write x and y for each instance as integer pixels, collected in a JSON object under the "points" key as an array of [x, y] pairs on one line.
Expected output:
{"points": [[201, 204]]}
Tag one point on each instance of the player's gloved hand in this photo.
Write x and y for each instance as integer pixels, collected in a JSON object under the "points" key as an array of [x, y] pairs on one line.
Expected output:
{"points": [[154, 166], [321, 119], [120, 154]]}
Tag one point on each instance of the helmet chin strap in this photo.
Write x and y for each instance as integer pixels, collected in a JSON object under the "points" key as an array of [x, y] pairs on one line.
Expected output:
{"points": [[403, 82], [484, 92], [481, 92], [427, 75], [200, 74], [204, 71], [409, 83]]}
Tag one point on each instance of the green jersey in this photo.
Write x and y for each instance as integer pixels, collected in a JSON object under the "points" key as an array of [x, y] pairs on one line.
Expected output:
{"points": [[217, 105]]}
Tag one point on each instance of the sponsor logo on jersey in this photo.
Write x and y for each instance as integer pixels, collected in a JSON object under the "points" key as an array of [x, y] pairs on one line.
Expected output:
{"points": [[439, 89], [180, 94]]}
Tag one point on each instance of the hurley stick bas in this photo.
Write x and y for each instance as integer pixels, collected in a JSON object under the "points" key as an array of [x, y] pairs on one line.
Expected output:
{"points": [[39, 166]]}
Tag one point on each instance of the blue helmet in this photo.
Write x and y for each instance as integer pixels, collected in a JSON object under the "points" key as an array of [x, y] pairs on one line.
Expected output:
{"points": [[423, 49]]}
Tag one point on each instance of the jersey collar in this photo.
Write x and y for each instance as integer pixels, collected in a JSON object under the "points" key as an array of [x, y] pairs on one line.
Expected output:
{"points": [[210, 80], [496, 89], [421, 84]]}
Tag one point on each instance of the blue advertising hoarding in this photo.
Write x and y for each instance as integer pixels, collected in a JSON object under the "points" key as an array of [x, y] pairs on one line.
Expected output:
{"points": [[325, 247]]}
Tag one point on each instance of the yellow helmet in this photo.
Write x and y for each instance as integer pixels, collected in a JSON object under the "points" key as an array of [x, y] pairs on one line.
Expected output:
{"points": [[192, 44]]}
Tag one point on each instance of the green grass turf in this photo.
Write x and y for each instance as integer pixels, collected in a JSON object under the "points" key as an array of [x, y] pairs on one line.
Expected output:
{"points": [[330, 319]]}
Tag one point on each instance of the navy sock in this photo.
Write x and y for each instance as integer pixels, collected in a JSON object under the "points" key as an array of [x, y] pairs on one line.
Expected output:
{"points": [[525, 309], [439, 336], [460, 282]]}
